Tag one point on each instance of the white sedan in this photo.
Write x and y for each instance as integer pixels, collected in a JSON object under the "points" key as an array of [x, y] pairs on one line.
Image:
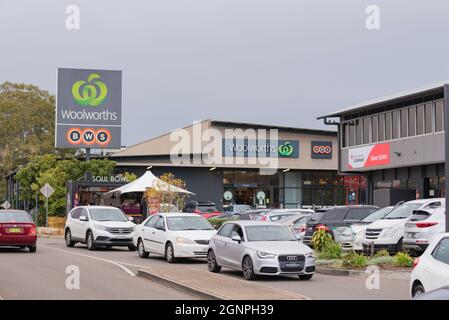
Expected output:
{"points": [[174, 235], [431, 270]]}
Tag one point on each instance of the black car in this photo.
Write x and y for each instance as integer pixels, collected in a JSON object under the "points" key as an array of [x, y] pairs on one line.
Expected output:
{"points": [[330, 219]]}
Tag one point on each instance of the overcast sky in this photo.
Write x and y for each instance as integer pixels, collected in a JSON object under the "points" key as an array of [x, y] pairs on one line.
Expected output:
{"points": [[281, 62]]}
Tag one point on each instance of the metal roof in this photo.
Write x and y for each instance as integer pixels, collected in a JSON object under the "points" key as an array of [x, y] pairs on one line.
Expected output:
{"points": [[387, 99]]}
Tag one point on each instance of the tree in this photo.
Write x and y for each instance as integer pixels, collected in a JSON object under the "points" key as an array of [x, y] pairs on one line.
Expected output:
{"points": [[164, 194]]}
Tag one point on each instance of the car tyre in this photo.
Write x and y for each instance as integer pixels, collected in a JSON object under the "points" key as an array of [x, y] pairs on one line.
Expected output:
{"points": [[131, 248], [141, 249], [417, 290], [305, 276], [248, 269], [68, 239], [212, 264], [90, 241], [32, 249], [170, 253]]}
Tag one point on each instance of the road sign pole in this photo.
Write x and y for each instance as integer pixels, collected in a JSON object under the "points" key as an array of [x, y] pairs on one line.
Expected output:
{"points": [[87, 154], [37, 209], [46, 212]]}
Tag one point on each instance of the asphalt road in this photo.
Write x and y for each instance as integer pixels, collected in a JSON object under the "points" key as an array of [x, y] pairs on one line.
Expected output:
{"points": [[107, 274]]}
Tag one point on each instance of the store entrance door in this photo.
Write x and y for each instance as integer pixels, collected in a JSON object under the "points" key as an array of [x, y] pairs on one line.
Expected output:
{"points": [[245, 196]]}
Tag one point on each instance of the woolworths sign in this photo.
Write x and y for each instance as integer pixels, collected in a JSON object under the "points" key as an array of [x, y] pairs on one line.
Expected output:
{"points": [[88, 108]]}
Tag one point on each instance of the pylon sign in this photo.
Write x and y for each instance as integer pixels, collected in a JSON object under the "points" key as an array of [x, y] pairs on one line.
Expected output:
{"points": [[88, 108]]}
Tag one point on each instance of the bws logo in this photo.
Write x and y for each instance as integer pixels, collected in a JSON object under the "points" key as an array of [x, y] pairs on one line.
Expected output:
{"points": [[91, 93], [88, 136], [321, 149], [286, 149]]}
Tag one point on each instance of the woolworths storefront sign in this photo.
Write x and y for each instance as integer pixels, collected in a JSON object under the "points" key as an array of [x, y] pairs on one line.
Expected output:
{"points": [[254, 148], [88, 108]]}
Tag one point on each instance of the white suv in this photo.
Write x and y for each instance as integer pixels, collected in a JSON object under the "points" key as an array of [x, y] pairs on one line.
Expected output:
{"points": [[99, 226]]}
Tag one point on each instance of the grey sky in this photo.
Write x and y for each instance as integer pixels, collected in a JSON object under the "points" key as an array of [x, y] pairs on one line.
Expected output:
{"points": [[270, 61]]}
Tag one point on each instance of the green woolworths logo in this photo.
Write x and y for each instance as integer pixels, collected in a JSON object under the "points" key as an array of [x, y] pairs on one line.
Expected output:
{"points": [[93, 92], [286, 149]]}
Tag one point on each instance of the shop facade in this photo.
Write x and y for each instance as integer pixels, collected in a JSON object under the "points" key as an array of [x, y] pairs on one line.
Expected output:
{"points": [[398, 142]]}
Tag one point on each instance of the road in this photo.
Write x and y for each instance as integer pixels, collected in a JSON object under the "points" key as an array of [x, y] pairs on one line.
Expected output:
{"points": [[108, 274]]}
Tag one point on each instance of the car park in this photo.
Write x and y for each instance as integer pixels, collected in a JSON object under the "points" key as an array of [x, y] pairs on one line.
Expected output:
{"points": [[233, 212], [174, 235], [252, 214], [259, 248], [388, 233], [296, 224], [422, 226], [17, 229], [280, 214], [207, 209], [99, 226], [336, 219], [431, 270]]}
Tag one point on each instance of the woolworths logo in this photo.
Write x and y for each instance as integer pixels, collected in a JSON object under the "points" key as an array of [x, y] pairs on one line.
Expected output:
{"points": [[91, 93], [286, 149]]}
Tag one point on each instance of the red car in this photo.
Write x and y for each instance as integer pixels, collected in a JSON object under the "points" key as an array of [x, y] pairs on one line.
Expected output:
{"points": [[206, 209], [17, 230]]}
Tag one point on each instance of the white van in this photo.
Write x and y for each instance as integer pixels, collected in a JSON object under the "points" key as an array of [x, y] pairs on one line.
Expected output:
{"points": [[388, 233]]}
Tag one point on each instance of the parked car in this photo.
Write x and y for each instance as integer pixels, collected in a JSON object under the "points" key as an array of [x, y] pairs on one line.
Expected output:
{"points": [[99, 226], [252, 214], [388, 233], [207, 209], [174, 235], [336, 219], [438, 294], [352, 237], [259, 248], [431, 270], [279, 214], [234, 211], [17, 230], [297, 224], [422, 226]]}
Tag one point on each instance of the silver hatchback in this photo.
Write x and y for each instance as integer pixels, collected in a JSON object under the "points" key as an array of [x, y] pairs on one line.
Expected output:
{"points": [[259, 248]]}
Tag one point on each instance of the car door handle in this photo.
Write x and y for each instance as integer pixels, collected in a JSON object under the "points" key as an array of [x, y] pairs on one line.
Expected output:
{"points": [[154, 232]]}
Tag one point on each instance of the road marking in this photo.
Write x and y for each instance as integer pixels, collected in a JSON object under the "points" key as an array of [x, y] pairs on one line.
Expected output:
{"points": [[132, 274]]}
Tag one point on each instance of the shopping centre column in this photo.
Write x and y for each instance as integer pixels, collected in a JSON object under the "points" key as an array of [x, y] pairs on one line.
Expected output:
{"points": [[446, 145]]}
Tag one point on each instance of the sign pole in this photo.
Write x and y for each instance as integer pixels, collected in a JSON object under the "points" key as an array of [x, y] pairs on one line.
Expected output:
{"points": [[87, 154], [46, 212], [37, 209], [446, 143]]}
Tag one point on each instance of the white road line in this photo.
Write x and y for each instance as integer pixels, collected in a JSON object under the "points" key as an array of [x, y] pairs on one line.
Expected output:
{"points": [[132, 274]]}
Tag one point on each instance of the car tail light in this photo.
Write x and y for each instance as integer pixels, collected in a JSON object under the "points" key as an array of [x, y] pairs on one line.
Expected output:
{"points": [[322, 227], [426, 224], [32, 231], [197, 211], [415, 263]]}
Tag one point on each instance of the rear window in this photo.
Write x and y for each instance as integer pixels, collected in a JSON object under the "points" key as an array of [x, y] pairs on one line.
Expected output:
{"points": [[335, 215], [358, 214], [316, 217], [419, 215], [15, 216]]}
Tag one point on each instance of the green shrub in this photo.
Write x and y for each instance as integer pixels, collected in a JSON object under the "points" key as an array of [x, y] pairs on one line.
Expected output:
{"points": [[382, 253], [217, 222], [321, 239], [355, 260], [330, 251], [382, 260], [403, 259]]}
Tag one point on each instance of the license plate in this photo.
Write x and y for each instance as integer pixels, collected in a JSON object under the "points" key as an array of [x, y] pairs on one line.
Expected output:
{"points": [[15, 230], [292, 265]]}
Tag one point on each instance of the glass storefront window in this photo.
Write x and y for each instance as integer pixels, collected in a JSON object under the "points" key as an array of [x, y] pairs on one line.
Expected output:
{"points": [[244, 177], [228, 177]]}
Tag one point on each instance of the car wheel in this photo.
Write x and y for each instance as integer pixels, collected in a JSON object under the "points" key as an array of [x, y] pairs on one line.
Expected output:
{"points": [[131, 248], [90, 241], [141, 250], [170, 253], [68, 239], [417, 290], [212, 262], [32, 249], [248, 269], [305, 276]]}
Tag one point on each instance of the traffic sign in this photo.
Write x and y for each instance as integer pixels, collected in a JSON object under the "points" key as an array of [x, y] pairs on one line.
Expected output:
{"points": [[6, 205], [47, 190]]}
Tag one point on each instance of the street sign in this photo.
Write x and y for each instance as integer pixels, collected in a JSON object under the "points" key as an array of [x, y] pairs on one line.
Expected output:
{"points": [[6, 205], [88, 109], [47, 190]]}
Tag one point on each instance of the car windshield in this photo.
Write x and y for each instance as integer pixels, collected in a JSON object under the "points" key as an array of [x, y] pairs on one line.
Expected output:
{"points": [[376, 215], [14, 216], [316, 217], [268, 233], [403, 211], [107, 214], [188, 223]]}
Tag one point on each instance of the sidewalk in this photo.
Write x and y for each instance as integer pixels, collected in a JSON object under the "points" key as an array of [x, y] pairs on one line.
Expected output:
{"points": [[43, 232], [215, 286]]}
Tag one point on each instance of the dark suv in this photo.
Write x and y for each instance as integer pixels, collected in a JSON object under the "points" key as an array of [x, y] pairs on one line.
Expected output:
{"points": [[330, 219], [207, 209]]}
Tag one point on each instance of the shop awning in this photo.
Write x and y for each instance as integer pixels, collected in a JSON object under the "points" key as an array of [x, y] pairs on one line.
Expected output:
{"points": [[148, 180]]}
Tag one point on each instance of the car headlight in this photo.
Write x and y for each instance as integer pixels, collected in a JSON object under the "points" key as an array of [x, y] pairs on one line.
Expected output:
{"points": [[310, 255], [97, 226], [265, 255], [183, 240]]}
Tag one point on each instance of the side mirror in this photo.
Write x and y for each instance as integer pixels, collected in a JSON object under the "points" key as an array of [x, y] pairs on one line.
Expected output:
{"points": [[236, 238], [297, 236], [131, 219], [83, 218]]}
